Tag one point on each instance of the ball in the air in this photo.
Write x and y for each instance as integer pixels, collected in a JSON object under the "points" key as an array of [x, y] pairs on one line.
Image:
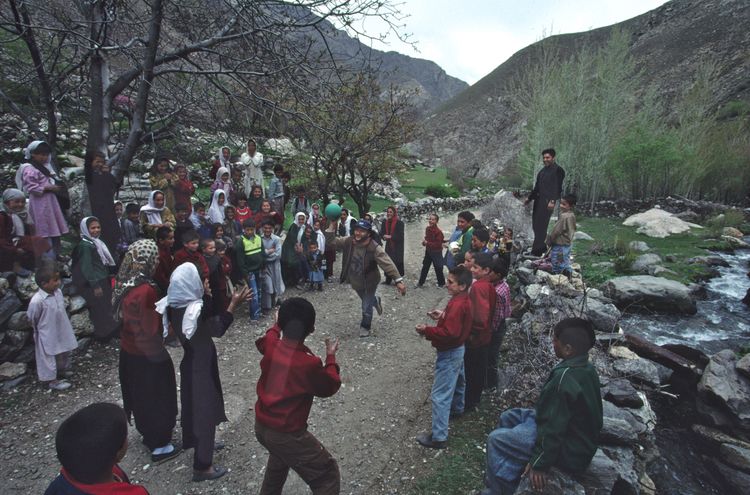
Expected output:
{"points": [[333, 211]]}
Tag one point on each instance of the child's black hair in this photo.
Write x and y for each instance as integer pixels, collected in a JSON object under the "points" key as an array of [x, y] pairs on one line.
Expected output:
{"points": [[481, 234], [278, 168], [190, 236], [576, 332], [500, 266], [215, 227], [180, 207], [296, 318], [247, 223], [162, 233], [206, 241], [89, 440], [132, 208], [462, 275], [241, 197], [91, 220], [483, 260], [45, 272], [268, 222], [571, 198], [42, 147], [220, 245], [198, 206], [466, 215]]}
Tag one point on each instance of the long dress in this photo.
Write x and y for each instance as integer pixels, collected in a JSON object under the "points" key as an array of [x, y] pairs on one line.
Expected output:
{"points": [[147, 379], [289, 257], [101, 194], [89, 273], [394, 247], [201, 397], [253, 170], [43, 206]]}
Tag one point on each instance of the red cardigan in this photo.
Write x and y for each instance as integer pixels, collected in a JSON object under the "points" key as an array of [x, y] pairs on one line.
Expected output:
{"points": [[141, 333], [183, 255], [290, 376], [454, 326], [483, 302], [433, 237], [164, 269]]}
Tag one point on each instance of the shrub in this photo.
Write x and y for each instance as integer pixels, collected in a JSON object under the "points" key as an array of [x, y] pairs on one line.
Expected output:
{"points": [[440, 191]]}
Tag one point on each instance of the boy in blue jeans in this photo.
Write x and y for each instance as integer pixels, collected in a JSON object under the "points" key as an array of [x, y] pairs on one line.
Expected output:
{"points": [[564, 428], [448, 337]]}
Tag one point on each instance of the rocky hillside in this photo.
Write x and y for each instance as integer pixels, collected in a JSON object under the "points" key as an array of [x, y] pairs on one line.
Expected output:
{"points": [[479, 133]]}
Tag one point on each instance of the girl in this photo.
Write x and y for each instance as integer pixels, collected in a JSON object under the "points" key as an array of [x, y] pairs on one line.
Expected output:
{"points": [[253, 162], [161, 178], [102, 187], [291, 249], [255, 200], [218, 203], [218, 234], [155, 214], [183, 188], [242, 211], [392, 232], [19, 250], [223, 160], [266, 214], [222, 182], [92, 266], [238, 184]]}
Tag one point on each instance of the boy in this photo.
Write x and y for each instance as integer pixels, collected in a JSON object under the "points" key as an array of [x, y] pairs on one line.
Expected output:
{"points": [[290, 376], [199, 220], [301, 203], [316, 265], [448, 337], [502, 312], [53, 333], [562, 431], [273, 284], [190, 253], [165, 266], [483, 302], [479, 240], [433, 252], [249, 260], [130, 225], [276, 189], [89, 445], [561, 237], [182, 224]]}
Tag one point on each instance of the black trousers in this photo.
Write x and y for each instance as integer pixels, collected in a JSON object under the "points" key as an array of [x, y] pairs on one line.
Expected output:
{"points": [[434, 258], [475, 368], [540, 223], [493, 353]]}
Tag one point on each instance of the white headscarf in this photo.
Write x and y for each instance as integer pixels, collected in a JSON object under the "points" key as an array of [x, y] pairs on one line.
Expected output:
{"points": [[216, 211], [18, 228], [223, 162], [185, 291], [153, 214], [301, 225], [101, 248], [27, 155]]}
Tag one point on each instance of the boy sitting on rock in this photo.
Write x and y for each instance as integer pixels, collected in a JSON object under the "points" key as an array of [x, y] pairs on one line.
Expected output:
{"points": [[562, 431]]}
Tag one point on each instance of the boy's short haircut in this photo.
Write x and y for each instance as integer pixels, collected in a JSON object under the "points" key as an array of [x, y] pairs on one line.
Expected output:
{"points": [[248, 223], [132, 208], [180, 207], [268, 222], [205, 242], [278, 168], [576, 332], [466, 215], [228, 207], [198, 206], [162, 233], [482, 235], [483, 260], [220, 245], [435, 215], [312, 243], [571, 198], [296, 318], [242, 197], [190, 236], [500, 266], [549, 151], [88, 441], [462, 275], [45, 272]]}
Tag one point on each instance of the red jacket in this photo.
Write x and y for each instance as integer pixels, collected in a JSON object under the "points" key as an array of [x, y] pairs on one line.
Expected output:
{"points": [[65, 484], [164, 269], [433, 237], [290, 376], [483, 302], [454, 326], [183, 255], [141, 332], [183, 190]]}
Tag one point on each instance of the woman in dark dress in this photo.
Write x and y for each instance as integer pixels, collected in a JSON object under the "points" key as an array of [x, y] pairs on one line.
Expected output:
{"points": [[392, 232], [102, 186], [189, 309]]}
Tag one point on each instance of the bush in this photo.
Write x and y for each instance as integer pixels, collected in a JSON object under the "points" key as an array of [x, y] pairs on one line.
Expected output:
{"points": [[439, 191]]}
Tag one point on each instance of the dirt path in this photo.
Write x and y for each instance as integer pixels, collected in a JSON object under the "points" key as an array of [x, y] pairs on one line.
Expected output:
{"points": [[369, 426]]}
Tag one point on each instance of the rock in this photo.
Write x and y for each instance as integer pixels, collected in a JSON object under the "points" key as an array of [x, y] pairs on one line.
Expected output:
{"points": [[644, 261], [654, 293], [582, 236], [19, 321], [640, 370], [732, 232], [526, 276], [556, 281], [621, 393], [622, 352], [511, 212], [688, 216], [658, 223], [635, 421], [638, 246], [743, 366], [735, 242], [735, 456], [16, 339], [709, 261], [76, 304], [722, 385], [533, 291], [9, 371], [657, 271], [645, 415], [601, 475], [604, 316], [647, 485], [281, 146], [713, 438], [558, 483], [713, 416], [603, 264], [9, 304], [26, 288], [4, 285], [625, 463], [81, 324], [738, 480], [617, 431]]}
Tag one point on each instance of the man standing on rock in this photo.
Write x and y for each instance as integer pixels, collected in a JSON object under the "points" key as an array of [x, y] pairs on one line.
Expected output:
{"points": [[546, 192], [362, 257]]}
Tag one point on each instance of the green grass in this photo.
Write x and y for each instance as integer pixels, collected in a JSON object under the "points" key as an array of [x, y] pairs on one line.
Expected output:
{"points": [[610, 236], [414, 181]]}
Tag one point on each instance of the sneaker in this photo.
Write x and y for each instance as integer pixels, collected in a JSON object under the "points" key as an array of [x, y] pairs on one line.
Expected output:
{"points": [[379, 305], [425, 440], [159, 458], [59, 385], [364, 332], [214, 473]]}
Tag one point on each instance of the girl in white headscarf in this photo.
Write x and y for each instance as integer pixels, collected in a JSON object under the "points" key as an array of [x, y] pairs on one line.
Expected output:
{"points": [[201, 396], [223, 159], [218, 203], [155, 214], [19, 250], [223, 182]]}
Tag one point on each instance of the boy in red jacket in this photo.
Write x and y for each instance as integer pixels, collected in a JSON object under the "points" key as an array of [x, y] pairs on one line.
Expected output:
{"points": [[433, 252], [447, 337], [483, 302], [165, 267], [290, 376], [190, 252]]}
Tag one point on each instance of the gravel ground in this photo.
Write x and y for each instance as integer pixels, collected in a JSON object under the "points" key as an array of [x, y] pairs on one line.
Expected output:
{"points": [[369, 425]]}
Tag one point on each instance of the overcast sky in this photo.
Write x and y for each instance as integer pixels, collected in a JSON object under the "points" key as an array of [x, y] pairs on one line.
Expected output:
{"points": [[469, 38]]}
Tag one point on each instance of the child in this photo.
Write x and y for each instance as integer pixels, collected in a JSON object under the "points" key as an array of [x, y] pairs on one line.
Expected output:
{"points": [[468, 260], [479, 240], [448, 337], [291, 375], [222, 182], [155, 214], [223, 160], [562, 432], [449, 258], [53, 333], [199, 220], [238, 184], [102, 187], [19, 250], [232, 228], [190, 253], [216, 280], [483, 302], [119, 209], [502, 312], [242, 212], [222, 295], [183, 187], [255, 199], [182, 224], [433, 251], [218, 203], [130, 226], [276, 190], [493, 245], [89, 445], [301, 203], [165, 240], [272, 281], [218, 234], [92, 268], [561, 237], [161, 178], [249, 259], [266, 214], [315, 265]]}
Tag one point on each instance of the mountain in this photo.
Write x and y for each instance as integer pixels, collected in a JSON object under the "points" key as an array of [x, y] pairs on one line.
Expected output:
{"points": [[479, 132]]}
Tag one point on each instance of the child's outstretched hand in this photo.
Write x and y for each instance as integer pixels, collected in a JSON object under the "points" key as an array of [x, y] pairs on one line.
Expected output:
{"points": [[332, 346], [537, 478], [241, 294], [435, 314], [420, 328]]}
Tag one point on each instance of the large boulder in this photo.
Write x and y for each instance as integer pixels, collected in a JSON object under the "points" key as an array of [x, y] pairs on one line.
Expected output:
{"points": [[639, 370], [652, 293], [9, 305], [9, 371], [558, 483], [19, 321], [621, 393], [643, 262], [722, 386], [658, 223], [604, 475], [510, 212], [82, 324], [26, 288]]}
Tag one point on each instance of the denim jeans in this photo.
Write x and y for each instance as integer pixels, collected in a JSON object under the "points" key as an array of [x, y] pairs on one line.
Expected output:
{"points": [[560, 258], [446, 396], [509, 449], [252, 282], [368, 303], [434, 258]]}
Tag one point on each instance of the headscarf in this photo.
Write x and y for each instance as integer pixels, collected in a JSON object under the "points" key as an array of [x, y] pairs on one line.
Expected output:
{"points": [[223, 162], [18, 228], [185, 291], [347, 224], [220, 173], [153, 214], [101, 248], [137, 268], [390, 225], [216, 211], [301, 225], [27, 155]]}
